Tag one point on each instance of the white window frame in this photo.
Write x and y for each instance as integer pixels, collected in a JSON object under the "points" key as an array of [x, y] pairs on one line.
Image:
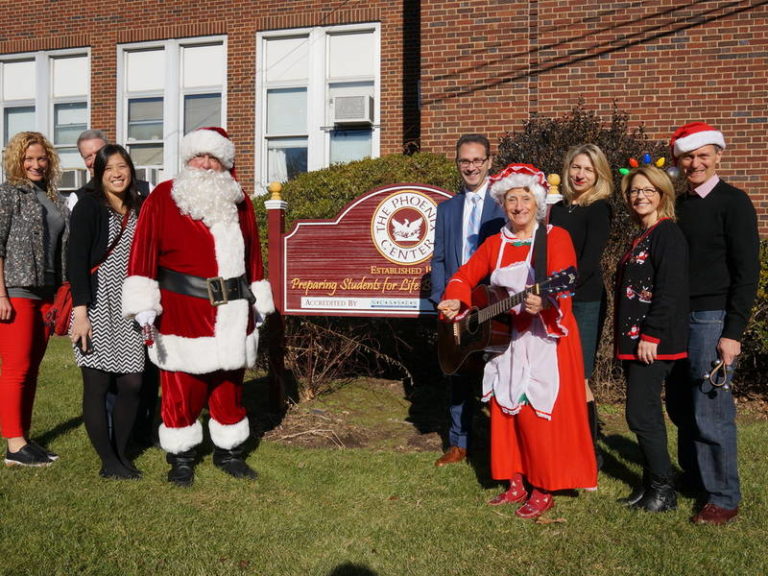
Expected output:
{"points": [[173, 94], [44, 100], [319, 125]]}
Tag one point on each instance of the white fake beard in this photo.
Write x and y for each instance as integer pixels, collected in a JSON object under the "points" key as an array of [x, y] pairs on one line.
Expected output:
{"points": [[207, 195]]}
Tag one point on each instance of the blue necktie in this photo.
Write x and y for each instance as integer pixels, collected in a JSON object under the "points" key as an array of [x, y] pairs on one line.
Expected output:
{"points": [[473, 226]]}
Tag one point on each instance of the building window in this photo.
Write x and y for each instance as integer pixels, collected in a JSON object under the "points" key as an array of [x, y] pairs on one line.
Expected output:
{"points": [[167, 89], [304, 78], [18, 80], [48, 92], [70, 80]]}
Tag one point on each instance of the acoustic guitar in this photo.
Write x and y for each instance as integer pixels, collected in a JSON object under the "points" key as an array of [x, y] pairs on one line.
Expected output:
{"points": [[486, 326]]}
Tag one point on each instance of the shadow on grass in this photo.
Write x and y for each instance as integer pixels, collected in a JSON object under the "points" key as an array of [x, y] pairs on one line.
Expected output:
{"points": [[614, 467], [59, 430], [349, 569], [429, 412]]}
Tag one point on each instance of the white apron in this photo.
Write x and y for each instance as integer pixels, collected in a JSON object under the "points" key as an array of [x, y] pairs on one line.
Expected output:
{"points": [[526, 371]]}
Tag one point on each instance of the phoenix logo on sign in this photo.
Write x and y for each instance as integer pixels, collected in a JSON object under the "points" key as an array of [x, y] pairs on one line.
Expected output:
{"points": [[403, 227]]}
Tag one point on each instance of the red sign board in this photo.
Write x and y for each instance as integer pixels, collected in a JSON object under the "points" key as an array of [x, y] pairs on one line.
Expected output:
{"points": [[372, 260]]}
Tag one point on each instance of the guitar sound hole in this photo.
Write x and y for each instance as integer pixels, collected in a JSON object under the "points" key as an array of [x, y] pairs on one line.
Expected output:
{"points": [[472, 324]]}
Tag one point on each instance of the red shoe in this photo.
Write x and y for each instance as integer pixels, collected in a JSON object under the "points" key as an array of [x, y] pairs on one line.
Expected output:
{"points": [[715, 515], [516, 493], [537, 504]]}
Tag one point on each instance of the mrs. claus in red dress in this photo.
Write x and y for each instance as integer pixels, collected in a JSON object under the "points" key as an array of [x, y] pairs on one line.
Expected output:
{"points": [[535, 386]]}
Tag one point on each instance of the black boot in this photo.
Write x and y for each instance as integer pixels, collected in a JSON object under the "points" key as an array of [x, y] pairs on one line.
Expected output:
{"points": [[594, 428], [231, 461], [182, 472], [659, 497], [638, 493]]}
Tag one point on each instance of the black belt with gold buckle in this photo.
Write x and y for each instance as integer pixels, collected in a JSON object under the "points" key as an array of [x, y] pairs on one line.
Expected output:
{"points": [[216, 290]]}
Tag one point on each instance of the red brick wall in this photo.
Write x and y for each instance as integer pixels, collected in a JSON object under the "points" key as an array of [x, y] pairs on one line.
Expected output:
{"points": [[488, 65], [480, 65]]}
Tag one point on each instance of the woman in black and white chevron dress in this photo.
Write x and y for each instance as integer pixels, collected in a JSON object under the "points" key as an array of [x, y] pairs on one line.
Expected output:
{"points": [[108, 348]]}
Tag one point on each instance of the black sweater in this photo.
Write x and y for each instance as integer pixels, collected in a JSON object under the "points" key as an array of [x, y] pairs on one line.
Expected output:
{"points": [[88, 242], [652, 293], [724, 247], [589, 227]]}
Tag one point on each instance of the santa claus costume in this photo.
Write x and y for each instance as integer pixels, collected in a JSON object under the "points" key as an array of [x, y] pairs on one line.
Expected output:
{"points": [[196, 264]]}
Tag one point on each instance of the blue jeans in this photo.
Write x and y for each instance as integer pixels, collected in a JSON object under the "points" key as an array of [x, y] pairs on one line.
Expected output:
{"points": [[461, 399], [705, 415]]}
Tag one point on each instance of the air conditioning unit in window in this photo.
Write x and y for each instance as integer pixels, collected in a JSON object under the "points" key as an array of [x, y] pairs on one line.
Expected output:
{"points": [[352, 110], [71, 180]]}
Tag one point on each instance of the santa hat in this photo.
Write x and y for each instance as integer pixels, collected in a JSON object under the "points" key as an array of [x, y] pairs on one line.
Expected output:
{"points": [[210, 140], [521, 176], [693, 136]]}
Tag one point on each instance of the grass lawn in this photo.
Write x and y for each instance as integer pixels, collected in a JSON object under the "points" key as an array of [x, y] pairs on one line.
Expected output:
{"points": [[347, 512]]}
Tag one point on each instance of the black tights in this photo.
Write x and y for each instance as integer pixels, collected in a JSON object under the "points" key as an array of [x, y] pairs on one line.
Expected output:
{"points": [[96, 384]]}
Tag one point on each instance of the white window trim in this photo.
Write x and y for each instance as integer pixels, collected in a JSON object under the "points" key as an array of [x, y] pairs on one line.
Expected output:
{"points": [[318, 132], [173, 94]]}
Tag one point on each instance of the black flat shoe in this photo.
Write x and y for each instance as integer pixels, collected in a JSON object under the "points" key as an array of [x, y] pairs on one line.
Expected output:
{"points": [[131, 468], [118, 473], [52, 456], [27, 456]]}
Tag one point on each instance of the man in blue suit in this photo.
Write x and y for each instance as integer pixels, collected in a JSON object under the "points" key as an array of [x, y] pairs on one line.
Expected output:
{"points": [[463, 223]]}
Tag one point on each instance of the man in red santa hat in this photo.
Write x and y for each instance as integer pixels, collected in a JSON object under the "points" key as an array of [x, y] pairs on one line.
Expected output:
{"points": [[196, 273]]}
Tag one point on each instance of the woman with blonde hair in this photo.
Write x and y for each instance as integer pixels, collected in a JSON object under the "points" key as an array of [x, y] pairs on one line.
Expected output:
{"points": [[33, 235], [585, 213], [651, 323]]}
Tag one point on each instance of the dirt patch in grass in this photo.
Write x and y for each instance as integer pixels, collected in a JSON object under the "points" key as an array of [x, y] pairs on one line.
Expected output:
{"points": [[365, 413]]}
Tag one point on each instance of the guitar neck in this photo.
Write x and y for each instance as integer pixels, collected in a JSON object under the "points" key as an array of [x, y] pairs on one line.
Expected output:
{"points": [[505, 305]]}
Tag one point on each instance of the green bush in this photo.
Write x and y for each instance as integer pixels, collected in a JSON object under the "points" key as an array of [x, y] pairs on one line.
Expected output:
{"points": [[323, 193], [751, 377]]}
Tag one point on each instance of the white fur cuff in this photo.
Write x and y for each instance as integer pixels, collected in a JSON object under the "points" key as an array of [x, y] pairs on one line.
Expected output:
{"points": [[228, 436], [177, 440], [140, 293], [264, 304]]}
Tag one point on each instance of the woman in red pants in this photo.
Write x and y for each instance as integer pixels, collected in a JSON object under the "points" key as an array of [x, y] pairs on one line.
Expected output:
{"points": [[33, 233]]}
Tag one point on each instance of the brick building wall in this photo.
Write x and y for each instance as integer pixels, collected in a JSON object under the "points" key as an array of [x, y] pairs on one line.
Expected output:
{"points": [[454, 66], [489, 64]]}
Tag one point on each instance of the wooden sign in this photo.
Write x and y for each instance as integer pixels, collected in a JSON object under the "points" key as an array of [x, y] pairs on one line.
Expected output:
{"points": [[372, 260]]}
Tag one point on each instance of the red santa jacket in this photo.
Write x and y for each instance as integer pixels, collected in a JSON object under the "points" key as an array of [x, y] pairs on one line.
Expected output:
{"points": [[193, 335]]}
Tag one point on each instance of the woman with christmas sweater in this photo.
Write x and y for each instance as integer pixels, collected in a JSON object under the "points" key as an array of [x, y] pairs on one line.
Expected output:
{"points": [[651, 324], [535, 386]]}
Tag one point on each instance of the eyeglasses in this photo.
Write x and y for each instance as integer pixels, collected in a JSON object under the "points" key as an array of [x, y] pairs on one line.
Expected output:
{"points": [[647, 192], [476, 163]]}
